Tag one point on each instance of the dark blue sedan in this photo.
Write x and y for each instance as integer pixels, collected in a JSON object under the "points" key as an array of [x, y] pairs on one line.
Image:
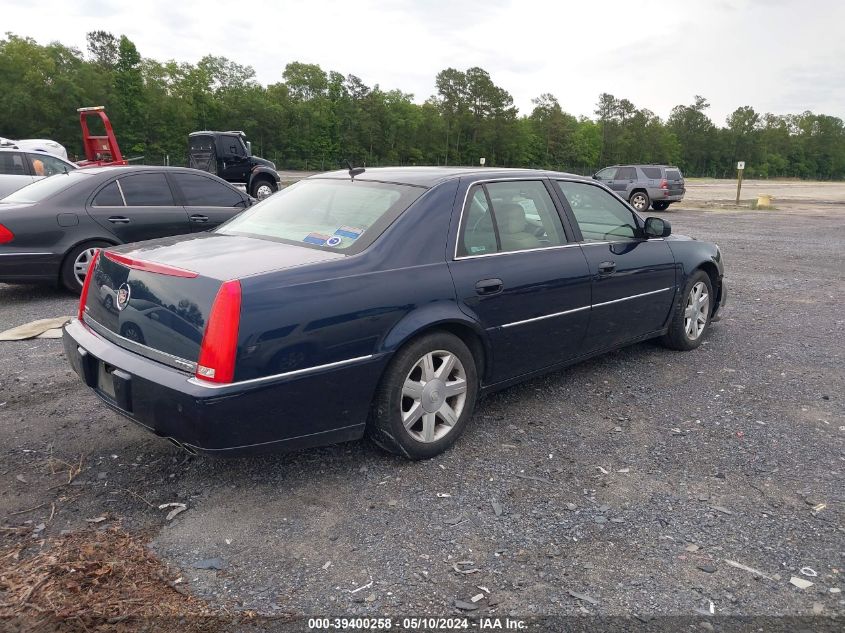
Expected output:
{"points": [[380, 303]]}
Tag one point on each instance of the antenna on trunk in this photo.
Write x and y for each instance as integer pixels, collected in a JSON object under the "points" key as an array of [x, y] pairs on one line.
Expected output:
{"points": [[354, 171]]}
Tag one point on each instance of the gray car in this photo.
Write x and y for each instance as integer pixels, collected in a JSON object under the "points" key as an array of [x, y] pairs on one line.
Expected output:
{"points": [[19, 168], [644, 186]]}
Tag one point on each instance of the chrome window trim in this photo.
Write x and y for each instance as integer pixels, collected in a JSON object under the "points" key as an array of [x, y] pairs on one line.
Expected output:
{"points": [[120, 189], [533, 178], [170, 360], [287, 374], [589, 307]]}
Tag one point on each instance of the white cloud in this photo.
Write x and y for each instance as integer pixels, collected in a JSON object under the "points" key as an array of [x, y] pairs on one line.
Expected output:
{"points": [[776, 56]]}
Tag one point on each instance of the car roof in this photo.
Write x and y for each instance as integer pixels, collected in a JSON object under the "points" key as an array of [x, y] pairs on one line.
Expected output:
{"points": [[15, 148], [430, 176]]}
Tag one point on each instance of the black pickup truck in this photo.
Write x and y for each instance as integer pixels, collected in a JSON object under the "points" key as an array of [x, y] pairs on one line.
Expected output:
{"points": [[229, 156]]}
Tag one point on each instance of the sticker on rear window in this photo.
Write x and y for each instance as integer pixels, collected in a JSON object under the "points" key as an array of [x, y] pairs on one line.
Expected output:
{"points": [[353, 233], [316, 238]]}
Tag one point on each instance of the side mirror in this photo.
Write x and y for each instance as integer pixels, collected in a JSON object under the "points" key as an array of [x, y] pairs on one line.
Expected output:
{"points": [[249, 148], [596, 177], [657, 227]]}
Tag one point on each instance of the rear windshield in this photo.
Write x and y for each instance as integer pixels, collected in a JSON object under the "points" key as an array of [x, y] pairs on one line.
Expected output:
{"points": [[651, 172], [673, 174], [45, 188], [335, 215]]}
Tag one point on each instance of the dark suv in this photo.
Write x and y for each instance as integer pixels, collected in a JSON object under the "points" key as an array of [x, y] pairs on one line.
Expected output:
{"points": [[656, 186]]}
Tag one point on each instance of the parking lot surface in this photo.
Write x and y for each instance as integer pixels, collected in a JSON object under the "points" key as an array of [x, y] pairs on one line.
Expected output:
{"points": [[639, 483]]}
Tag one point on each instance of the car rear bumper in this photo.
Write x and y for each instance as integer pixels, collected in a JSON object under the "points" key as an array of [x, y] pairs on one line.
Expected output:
{"points": [[29, 267], [295, 410]]}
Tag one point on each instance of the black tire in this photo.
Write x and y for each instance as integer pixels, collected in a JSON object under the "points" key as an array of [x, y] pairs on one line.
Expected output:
{"points": [[385, 426], [263, 182], [67, 276], [640, 200], [677, 337], [660, 206]]}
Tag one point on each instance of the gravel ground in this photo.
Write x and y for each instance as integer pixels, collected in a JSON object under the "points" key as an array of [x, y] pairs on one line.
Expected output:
{"points": [[621, 486]]}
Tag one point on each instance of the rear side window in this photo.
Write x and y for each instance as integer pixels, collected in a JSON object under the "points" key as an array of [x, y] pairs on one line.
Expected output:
{"points": [[652, 172], [146, 190], [523, 218], [673, 174], [626, 173], [11, 164], [109, 196], [200, 191]]}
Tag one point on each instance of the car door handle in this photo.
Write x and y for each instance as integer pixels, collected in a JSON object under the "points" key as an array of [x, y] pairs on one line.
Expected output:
{"points": [[199, 218], [607, 268], [119, 219], [489, 286]]}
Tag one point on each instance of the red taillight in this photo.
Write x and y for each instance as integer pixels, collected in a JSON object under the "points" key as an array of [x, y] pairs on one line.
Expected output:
{"points": [[83, 296], [150, 267], [664, 184], [6, 235], [220, 341]]}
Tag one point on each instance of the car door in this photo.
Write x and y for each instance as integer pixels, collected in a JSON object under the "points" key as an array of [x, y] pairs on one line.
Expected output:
{"points": [[139, 207], [207, 201], [516, 272], [14, 172], [606, 175], [633, 278], [232, 158], [626, 178]]}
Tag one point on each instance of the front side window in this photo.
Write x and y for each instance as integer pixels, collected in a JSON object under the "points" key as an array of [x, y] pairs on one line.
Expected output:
{"points": [[200, 191], [232, 146], [329, 214], [523, 217], [46, 165], [146, 190], [606, 174], [600, 215]]}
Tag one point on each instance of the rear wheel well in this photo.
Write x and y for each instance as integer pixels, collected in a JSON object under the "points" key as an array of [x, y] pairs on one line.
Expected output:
{"points": [[108, 241], [637, 190], [469, 337]]}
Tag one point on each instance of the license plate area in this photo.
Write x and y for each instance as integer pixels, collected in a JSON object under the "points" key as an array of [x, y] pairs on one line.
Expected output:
{"points": [[105, 380]]}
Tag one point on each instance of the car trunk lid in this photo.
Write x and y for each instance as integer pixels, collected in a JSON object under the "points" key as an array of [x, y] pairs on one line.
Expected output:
{"points": [[155, 298]]}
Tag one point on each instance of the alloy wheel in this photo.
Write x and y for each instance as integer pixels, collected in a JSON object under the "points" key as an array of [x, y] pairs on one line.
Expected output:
{"points": [[696, 311], [81, 263], [433, 396], [638, 202]]}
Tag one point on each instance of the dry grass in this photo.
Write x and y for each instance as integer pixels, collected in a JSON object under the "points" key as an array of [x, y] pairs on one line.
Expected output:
{"points": [[96, 580]]}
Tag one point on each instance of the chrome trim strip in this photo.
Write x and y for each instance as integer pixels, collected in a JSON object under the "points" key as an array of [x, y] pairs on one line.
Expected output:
{"points": [[524, 250], [170, 360], [12, 254], [589, 307], [120, 189], [287, 374], [547, 316], [643, 294]]}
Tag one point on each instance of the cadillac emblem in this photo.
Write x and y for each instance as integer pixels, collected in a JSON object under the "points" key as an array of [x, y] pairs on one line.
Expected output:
{"points": [[123, 293]]}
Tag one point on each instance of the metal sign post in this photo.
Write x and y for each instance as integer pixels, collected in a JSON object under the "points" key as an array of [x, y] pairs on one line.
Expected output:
{"points": [[740, 168]]}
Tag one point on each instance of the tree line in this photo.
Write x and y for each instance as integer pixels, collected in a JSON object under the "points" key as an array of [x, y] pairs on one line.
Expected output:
{"points": [[313, 119]]}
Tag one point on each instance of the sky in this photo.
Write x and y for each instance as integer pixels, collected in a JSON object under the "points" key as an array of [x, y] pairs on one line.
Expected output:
{"points": [[780, 56]]}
